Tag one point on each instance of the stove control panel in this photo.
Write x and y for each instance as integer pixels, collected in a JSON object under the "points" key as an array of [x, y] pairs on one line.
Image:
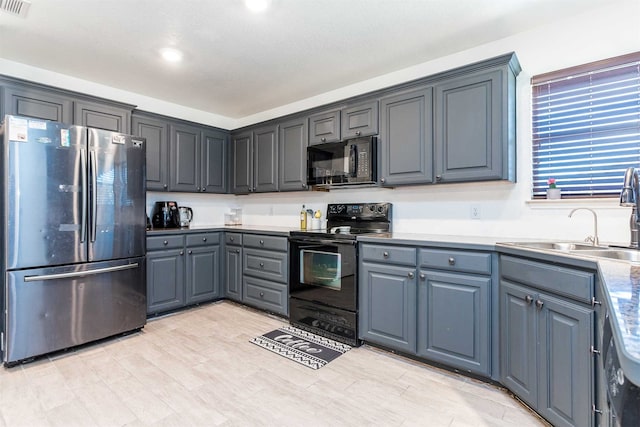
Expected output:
{"points": [[359, 210]]}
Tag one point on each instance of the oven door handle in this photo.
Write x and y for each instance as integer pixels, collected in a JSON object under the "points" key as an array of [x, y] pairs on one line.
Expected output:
{"points": [[323, 242]]}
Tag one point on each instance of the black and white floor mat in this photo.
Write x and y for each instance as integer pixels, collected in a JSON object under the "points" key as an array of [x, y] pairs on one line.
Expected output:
{"points": [[308, 349]]}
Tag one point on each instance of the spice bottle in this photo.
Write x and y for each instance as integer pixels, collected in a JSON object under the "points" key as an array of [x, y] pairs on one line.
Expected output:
{"points": [[303, 218]]}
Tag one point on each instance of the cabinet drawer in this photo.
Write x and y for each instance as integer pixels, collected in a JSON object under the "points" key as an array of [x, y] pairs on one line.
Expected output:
{"points": [[266, 295], [201, 239], [265, 242], [164, 242], [233, 238], [463, 261], [388, 254], [266, 264], [563, 281]]}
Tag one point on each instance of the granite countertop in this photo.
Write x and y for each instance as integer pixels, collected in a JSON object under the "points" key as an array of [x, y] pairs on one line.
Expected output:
{"points": [[619, 284]]}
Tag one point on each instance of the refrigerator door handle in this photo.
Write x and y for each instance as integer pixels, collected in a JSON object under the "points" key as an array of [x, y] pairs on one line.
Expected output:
{"points": [[83, 171], [94, 198], [80, 273]]}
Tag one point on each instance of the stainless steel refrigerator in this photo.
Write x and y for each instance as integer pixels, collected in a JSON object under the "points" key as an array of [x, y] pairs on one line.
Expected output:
{"points": [[73, 234]]}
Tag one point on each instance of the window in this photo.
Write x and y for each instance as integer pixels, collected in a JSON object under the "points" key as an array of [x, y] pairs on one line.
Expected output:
{"points": [[586, 127]]}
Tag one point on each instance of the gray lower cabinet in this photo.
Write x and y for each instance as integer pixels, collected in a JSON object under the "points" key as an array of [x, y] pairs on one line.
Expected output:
{"points": [[406, 138], [155, 131], [233, 266], [387, 301], [434, 303], [292, 158], [257, 271], [546, 339], [182, 269]]}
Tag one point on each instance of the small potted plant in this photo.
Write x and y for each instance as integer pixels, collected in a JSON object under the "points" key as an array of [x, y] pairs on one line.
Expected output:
{"points": [[553, 192]]}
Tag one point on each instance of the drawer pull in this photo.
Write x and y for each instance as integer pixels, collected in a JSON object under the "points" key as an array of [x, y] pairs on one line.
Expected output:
{"points": [[358, 133], [231, 238], [165, 243], [452, 261], [528, 299], [539, 304], [190, 252], [410, 275], [204, 239], [237, 251], [261, 294], [181, 252], [262, 242], [262, 264], [385, 254], [323, 139], [422, 276]]}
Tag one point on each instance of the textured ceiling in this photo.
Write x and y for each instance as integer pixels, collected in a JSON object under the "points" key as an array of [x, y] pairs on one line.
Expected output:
{"points": [[237, 63]]}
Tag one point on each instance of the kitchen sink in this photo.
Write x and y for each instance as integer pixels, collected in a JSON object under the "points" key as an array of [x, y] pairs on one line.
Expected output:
{"points": [[621, 254], [561, 246]]}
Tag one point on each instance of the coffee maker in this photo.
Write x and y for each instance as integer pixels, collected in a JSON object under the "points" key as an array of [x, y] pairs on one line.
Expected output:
{"points": [[165, 215]]}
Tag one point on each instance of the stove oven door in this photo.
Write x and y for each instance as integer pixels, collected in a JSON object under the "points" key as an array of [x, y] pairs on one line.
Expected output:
{"points": [[324, 271]]}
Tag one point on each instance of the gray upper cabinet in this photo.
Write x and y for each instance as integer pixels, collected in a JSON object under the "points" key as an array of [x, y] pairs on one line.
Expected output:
{"points": [[293, 143], [97, 115], [213, 176], [242, 163], [185, 158], [360, 120], [155, 131], [324, 127], [39, 104], [471, 128], [265, 159], [406, 138]]}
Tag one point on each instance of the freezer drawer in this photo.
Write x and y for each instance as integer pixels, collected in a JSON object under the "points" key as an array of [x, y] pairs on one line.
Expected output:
{"points": [[50, 309]]}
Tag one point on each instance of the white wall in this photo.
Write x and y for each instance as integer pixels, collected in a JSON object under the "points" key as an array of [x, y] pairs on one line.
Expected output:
{"points": [[506, 211]]}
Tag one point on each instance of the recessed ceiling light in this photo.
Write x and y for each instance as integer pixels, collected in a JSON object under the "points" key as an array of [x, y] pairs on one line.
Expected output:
{"points": [[170, 54], [257, 6]]}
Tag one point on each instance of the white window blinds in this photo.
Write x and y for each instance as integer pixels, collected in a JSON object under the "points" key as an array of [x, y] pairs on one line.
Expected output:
{"points": [[586, 127]]}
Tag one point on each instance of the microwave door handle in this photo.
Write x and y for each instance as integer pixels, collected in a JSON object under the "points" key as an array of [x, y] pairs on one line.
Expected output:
{"points": [[353, 161]]}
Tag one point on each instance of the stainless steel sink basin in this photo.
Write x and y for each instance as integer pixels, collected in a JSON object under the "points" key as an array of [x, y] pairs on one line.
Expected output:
{"points": [[561, 246], [621, 254]]}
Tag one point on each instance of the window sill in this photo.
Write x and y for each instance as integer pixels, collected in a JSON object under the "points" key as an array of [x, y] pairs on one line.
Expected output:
{"points": [[604, 203]]}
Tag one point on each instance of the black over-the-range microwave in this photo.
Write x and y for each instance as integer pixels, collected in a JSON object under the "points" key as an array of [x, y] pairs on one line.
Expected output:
{"points": [[353, 161]]}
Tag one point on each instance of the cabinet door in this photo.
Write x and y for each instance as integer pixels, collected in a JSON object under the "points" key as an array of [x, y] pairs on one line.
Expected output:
{"points": [[406, 138], [165, 280], [471, 136], [387, 301], [233, 272], [37, 104], [242, 166], [265, 159], [454, 320], [565, 393], [518, 356], [360, 120], [214, 161], [184, 162], [155, 132], [293, 155], [95, 115], [203, 273], [324, 127]]}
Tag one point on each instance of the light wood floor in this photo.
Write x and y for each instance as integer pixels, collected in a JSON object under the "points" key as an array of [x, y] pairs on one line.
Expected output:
{"points": [[197, 367]]}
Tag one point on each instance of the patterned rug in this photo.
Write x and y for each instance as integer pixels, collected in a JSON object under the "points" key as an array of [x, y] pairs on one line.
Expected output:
{"points": [[308, 349]]}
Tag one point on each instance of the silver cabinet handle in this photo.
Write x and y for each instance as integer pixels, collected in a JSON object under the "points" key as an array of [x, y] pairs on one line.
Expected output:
{"points": [[261, 294], [358, 133], [438, 178], [181, 252], [165, 186], [204, 239], [528, 299], [452, 261], [165, 243], [231, 238], [204, 189], [422, 276], [323, 139], [262, 242], [411, 275], [385, 254], [304, 185], [237, 251], [197, 188], [190, 252], [262, 264], [382, 180], [539, 304]]}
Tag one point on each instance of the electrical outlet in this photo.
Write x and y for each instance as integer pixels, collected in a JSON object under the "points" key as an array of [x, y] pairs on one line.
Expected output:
{"points": [[475, 212]]}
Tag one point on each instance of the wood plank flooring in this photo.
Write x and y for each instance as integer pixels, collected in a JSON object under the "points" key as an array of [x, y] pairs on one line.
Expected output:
{"points": [[197, 367]]}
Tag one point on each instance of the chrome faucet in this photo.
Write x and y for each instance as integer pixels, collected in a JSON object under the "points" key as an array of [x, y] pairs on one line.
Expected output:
{"points": [[629, 197], [595, 241]]}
